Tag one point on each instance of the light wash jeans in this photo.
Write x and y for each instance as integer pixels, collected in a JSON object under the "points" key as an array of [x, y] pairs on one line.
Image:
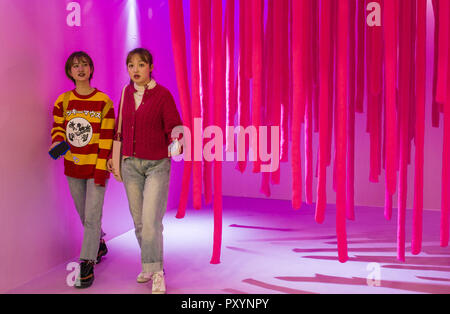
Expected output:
{"points": [[147, 186], [88, 198]]}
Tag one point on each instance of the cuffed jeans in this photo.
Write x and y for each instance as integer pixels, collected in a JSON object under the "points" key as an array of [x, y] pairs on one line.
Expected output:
{"points": [[88, 198], [147, 185]]}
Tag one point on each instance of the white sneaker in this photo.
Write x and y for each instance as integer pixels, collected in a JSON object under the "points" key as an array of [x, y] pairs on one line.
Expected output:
{"points": [[144, 277], [159, 284]]}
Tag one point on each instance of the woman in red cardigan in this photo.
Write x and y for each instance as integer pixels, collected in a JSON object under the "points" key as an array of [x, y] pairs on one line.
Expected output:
{"points": [[148, 116]]}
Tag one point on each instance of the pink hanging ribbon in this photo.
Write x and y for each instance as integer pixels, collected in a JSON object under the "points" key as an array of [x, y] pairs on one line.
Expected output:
{"points": [[206, 95], [312, 101], [390, 51], [268, 71], [218, 53], [284, 80], [276, 77], [299, 51], [350, 208], [341, 126], [179, 52], [404, 116], [445, 190], [360, 65], [324, 78], [243, 78], [196, 105], [257, 67], [444, 25], [374, 83], [416, 244]]}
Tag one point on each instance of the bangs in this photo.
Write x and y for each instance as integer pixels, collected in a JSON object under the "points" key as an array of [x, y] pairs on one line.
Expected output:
{"points": [[79, 57], [143, 54]]}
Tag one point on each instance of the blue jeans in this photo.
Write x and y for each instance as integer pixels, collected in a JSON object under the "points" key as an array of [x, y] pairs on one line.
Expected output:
{"points": [[147, 186], [88, 198]]}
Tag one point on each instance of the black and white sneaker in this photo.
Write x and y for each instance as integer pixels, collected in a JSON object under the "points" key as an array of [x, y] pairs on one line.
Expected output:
{"points": [[102, 250], [86, 277]]}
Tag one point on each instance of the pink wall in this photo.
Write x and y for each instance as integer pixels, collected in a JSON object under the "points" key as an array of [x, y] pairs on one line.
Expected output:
{"points": [[39, 227]]}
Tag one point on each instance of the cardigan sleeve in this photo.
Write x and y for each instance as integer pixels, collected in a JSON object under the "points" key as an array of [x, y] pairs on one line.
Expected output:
{"points": [[171, 116]]}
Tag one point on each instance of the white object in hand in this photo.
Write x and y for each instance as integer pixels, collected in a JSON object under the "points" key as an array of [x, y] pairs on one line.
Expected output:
{"points": [[174, 148]]}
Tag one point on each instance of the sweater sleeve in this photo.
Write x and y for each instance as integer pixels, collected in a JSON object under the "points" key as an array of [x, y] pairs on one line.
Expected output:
{"points": [[171, 117], [58, 131], [105, 143]]}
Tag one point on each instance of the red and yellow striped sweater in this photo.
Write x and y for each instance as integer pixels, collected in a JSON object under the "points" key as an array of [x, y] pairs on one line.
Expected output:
{"points": [[88, 127]]}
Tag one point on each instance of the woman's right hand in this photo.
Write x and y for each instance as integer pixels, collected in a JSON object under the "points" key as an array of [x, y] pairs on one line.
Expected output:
{"points": [[109, 165], [53, 145]]}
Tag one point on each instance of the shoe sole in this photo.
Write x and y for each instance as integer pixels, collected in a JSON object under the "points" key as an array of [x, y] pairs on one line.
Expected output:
{"points": [[100, 255], [143, 281], [85, 284]]}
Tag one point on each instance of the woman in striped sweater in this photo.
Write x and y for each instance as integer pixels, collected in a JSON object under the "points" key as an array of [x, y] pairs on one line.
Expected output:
{"points": [[84, 118]]}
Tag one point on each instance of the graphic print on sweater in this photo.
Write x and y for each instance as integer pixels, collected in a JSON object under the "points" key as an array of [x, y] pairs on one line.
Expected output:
{"points": [[79, 132]]}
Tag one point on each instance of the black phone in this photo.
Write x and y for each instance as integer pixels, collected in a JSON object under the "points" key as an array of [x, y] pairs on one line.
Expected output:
{"points": [[59, 150]]}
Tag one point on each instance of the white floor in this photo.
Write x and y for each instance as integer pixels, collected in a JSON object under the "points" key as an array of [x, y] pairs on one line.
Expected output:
{"points": [[269, 248]]}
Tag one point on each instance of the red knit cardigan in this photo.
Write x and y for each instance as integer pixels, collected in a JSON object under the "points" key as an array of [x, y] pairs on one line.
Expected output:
{"points": [[146, 132]]}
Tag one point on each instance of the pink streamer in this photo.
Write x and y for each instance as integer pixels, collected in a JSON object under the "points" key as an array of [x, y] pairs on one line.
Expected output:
{"points": [[284, 80], [374, 82], [179, 51], [258, 32], [404, 104], [351, 115], [341, 127], [416, 244], [390, 40], [268, 90], [445, 191], [196, 106], [276, 77], [324, 74], [315, 61], [441, 85], [218, 54], [312, 103], [243, 77], [230, 83], [360, 75], [206, 95], [435, 105], [299, 50]]}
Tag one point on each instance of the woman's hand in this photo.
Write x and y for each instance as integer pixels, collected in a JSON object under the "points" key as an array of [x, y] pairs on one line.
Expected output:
{"points": [[109, 165], [174, 148], [53, 145]]}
